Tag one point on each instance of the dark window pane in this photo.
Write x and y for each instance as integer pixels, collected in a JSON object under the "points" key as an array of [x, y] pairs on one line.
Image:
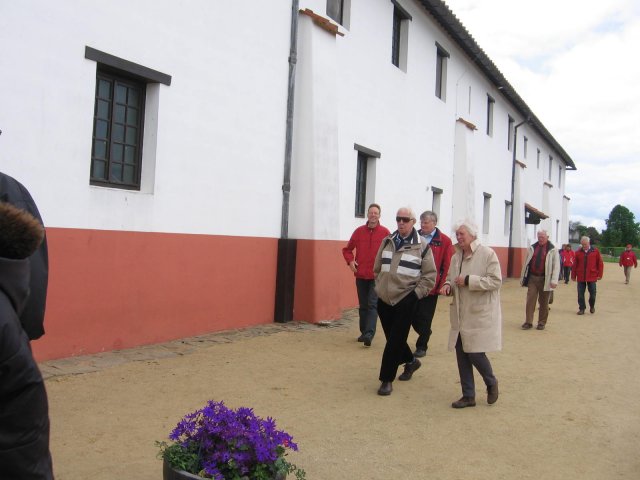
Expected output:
{"points": [[100, 149], [102, 129], [116, 172], [117, 152], [132, 136], [132, 116], [98, 170], [118, 133], [119, 113], [129, 174], [103, 109], [121, 93], [129, 155], [133, 97], [104, 89]]}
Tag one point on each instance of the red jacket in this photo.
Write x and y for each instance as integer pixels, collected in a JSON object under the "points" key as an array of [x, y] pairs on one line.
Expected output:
{"points": [[628, 259], [366, 242], [588, 266], [568, 258], [442, 250]]}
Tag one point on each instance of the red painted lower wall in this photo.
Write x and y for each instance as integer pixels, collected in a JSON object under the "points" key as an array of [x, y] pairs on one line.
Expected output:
{"points": [[110, 290]]}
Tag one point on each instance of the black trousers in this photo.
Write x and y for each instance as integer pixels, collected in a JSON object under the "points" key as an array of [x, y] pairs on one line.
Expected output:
{"points": [[422, 320], [396, 323]]}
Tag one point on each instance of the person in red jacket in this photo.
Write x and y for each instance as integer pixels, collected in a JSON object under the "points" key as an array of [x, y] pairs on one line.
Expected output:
{"points": [[568, 259], [587, 270], [366, 241], [627, 260], [442, 249]]}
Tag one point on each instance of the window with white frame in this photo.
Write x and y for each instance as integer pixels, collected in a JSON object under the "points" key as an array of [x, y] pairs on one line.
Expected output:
{"points": [[490, 104], [365, 178], [121, 97], [486, 212], [507, 217], [400, 36], [441, 72], [559, 176], [510, 129], [550, 166], [435, 201], [538, 159], [339, 11], [525, 144]]}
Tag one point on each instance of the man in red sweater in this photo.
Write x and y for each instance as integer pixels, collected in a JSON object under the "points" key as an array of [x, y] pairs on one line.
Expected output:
{"points": [[627, 260], [442, 251], [587, 270], [366, 241]]}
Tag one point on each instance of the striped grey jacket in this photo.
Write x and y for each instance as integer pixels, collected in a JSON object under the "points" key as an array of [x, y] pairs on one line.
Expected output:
{"points": [[400, 271]]}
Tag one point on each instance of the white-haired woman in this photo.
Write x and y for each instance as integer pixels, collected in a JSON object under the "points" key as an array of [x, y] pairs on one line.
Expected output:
{"points": [[474, 280]]}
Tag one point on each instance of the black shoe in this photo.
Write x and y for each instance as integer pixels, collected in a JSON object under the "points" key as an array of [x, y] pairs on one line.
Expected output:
{"points": [[385, 389], [464, 402], [409, 368], [419, 353], [540, 327], [367, 341], [526, 326], [592, 309], [580, 312], [361, 338], [492, 393]]}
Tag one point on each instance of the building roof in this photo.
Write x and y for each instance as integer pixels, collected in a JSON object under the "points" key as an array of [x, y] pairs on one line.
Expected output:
{"points": [[450, 23]]}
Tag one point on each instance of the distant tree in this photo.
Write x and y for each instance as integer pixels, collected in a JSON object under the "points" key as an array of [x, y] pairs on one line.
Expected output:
{"points": [[622, 228], [577, 227], [594, 235]]}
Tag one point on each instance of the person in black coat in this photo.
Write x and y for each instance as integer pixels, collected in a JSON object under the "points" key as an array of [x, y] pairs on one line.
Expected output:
{"points": [[24, 410], [32, 317]]}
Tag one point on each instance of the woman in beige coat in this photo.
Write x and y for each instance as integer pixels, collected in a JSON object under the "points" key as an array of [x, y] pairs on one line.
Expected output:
{"points": [[476, 320]]}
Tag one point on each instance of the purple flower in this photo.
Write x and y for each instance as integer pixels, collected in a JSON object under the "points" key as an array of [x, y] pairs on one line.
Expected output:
{"points": [[233, 443]]}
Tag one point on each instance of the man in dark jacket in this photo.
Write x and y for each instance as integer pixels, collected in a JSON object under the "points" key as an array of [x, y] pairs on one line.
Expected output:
{"points": [[24, 417], [32, 318]]}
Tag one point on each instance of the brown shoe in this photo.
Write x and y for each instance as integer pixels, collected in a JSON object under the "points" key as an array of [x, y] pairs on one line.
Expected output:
{"points": [[464, 402], [592, 310], [385, 389], [580, 312], [526, 326], [540, 327], [492, 393], [409, 368]]}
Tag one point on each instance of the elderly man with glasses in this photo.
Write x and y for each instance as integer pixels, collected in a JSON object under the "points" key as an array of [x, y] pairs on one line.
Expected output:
{"points": [[405, 272]]}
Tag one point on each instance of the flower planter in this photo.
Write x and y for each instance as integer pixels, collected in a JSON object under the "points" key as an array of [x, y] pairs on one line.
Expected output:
{"points": [[170, 473]]}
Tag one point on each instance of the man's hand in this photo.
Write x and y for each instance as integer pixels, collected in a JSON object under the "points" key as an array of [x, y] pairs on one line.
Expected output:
{"points": [[553, 285], [353, 266]]}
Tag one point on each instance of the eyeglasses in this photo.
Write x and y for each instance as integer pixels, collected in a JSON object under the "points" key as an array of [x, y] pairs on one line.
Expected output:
{"points": [[403, 219]]}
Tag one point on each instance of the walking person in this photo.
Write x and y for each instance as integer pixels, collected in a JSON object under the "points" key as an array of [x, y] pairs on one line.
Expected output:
{"points": [[627, 260], [24, 410], [588, 269], [442, 249], [405, 273], [568, 259], [540, 275], [366, 241], [474, 280]]}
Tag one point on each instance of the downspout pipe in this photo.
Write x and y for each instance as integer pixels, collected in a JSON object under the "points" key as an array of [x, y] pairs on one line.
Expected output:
{"points": [[288, 146], [286, 264], [510, 255]]}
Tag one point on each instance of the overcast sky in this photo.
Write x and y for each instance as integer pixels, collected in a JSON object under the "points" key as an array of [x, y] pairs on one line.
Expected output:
{"points": [[575, 63]]}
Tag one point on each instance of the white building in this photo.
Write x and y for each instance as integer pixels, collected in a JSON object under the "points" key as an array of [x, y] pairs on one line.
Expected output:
{"points": [[161, 139]]}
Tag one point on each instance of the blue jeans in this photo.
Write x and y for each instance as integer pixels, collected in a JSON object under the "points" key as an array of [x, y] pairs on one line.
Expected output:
{"points": [[368, 300], [582, 286]]}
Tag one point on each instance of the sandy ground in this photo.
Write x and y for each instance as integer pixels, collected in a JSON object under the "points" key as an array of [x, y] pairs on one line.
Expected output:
{"points": [[569, 398]]}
